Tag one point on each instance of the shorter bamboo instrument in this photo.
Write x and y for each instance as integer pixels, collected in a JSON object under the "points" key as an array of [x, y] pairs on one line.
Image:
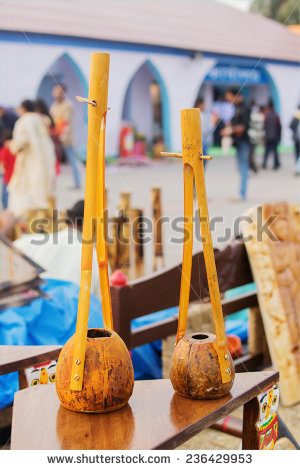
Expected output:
{"points": [[192, 156]]}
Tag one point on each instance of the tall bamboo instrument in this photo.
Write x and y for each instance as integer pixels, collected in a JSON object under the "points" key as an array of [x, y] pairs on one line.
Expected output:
{"points": [[94, 371], [204, 357]]}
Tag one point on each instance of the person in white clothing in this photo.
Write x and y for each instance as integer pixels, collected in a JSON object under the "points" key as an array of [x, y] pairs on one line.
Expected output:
{"points": [[33, 179]]}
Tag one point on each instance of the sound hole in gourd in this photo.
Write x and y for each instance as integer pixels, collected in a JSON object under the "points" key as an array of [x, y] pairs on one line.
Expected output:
{"points": [[98, 334], [200, 336]]}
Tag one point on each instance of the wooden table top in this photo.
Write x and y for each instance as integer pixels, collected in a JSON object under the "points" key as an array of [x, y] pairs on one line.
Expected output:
{"points": [[13, 358], [155, 418]]}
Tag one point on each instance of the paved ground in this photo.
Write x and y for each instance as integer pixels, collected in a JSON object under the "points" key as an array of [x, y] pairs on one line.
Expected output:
{"points": [[222, 183]]}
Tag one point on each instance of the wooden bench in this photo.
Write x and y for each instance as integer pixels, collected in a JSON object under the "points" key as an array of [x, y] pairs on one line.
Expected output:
{"points": [[19, 358], [155, 418], [161, 290]]}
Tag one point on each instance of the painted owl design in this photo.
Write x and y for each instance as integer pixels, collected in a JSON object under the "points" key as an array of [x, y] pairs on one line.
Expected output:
{"points": [[41, 374], [267, 424]]}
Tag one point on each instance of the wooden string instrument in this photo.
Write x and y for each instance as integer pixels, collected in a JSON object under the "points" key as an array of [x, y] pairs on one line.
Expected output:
{"points": [[94, 371], [216, 366]]}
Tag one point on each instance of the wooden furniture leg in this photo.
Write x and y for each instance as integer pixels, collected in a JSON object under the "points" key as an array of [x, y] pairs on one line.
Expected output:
{"points": [[234, 427], [249, 435], [22, 379]]}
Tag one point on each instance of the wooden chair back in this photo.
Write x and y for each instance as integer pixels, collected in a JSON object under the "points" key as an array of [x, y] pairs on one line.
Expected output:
{"points": [[161, 290]]}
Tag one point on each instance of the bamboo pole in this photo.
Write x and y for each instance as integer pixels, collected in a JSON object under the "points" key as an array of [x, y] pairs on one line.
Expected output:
{"points": [[138, 241], [157, 227], [113, 248], [98, 88], [125, 232]]}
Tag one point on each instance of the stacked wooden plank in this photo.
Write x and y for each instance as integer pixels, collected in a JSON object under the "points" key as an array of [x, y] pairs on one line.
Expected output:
{"points": [[272, 238]]}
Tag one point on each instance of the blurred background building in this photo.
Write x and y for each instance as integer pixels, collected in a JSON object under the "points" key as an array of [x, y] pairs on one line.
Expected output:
{"points": [[164, 55]]}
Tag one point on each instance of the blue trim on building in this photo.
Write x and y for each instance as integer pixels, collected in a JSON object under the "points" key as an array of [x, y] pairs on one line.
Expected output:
{"points": [[38, 38], [224, 59], [78, 72], [274, 91]]}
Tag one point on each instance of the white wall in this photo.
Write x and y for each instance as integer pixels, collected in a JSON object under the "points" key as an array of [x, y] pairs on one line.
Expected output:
{"points": [[287, 82], [22, 68], [24, 65]]}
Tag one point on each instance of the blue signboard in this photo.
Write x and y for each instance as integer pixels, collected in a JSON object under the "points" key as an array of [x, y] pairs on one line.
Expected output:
{"points": [[236, 75]]}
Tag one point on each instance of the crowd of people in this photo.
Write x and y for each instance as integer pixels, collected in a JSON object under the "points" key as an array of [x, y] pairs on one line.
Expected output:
{"points": [[33, 143], [245, 127]]}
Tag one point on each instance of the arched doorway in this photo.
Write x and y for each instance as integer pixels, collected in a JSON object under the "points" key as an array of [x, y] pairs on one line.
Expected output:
{"points": [[146, 105], [66, 71]]}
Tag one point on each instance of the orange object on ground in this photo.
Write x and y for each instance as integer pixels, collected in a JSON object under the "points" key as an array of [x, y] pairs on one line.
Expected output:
{"points": [[234, 345]]}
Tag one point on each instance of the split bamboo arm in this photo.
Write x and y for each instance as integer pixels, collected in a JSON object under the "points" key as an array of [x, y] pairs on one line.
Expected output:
{"points": [[211, 271], [187, 251], [101, 246], [98, 88]]}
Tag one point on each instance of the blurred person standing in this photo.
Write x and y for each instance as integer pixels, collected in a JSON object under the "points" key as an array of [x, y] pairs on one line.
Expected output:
{"points": [[272, 127], [32, 181], [41, 108], [256, 133], [218, 126], [295, 127], [239, 132], [62, 114], [7, 162]]}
